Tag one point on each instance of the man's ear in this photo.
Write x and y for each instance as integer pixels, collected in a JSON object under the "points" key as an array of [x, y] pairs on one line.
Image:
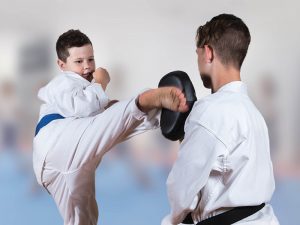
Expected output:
{"points": [[61, 64], [209, 53]]}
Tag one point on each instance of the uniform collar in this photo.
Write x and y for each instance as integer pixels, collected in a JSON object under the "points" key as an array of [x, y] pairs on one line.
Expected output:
{"points": [[77, 76], [234, 86]]}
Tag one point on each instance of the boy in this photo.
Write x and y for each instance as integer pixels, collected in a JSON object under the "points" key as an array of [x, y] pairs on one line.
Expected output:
{"points": [[72, 136], [72, 92], [223, 173]]}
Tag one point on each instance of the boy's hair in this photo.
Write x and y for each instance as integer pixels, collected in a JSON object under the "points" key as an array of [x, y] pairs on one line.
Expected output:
{"points": [[228, 35], [69, 39]]}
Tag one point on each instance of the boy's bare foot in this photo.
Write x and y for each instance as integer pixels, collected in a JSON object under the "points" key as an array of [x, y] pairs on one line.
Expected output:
{"points": [[170, 98]]}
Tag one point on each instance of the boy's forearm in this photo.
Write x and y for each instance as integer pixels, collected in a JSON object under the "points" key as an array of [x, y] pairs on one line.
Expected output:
{"points": [[102, 85]]}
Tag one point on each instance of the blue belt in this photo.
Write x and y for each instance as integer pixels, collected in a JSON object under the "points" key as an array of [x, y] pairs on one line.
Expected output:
{"points": [[47, 119]]}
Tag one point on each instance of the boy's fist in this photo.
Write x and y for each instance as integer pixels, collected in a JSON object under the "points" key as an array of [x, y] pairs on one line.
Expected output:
{"points": [[102, 77]]}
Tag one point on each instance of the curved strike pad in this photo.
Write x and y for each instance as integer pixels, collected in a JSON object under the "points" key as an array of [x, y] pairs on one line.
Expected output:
{"points": [[172, 123]]}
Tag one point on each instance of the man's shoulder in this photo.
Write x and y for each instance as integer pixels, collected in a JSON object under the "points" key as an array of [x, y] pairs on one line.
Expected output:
{"points": [[210, 103], [221, 115], [218, 108], [222, 101]]}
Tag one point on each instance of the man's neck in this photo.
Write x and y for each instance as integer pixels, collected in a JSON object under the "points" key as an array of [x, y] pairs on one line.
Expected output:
{"points": [[224, 75]]}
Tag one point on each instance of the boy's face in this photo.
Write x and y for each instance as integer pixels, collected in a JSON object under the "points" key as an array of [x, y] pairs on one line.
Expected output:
{"points": [[80, 61]]}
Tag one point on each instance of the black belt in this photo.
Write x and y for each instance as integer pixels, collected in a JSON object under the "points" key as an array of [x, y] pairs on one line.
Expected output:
{"points": [[231, 216]]}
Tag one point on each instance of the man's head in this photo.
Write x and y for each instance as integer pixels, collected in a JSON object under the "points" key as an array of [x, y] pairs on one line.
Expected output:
{"points": [[75, 53], [225, 37]]}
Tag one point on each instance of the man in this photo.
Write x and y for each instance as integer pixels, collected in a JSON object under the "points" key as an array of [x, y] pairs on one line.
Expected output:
{"points": [[224, 160]]}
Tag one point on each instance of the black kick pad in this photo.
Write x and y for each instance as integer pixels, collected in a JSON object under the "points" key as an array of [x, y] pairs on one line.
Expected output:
{"points": [[172, 123]]}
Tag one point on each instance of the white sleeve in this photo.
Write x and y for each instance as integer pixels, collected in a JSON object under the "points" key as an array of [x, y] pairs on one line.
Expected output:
{"points": [[198, 152], [81, 102]]}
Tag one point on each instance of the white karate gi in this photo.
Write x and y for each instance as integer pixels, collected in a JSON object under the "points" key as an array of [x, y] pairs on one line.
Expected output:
{"points": [[70, 95], [223, 161], [66, 152]]}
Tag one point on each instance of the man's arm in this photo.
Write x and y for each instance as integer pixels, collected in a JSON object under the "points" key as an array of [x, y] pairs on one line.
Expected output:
{"points": [[198, 152]]}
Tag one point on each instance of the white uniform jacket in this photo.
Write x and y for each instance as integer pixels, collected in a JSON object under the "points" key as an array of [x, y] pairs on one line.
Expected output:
{"points": [[223, 161], [70, 95]]}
